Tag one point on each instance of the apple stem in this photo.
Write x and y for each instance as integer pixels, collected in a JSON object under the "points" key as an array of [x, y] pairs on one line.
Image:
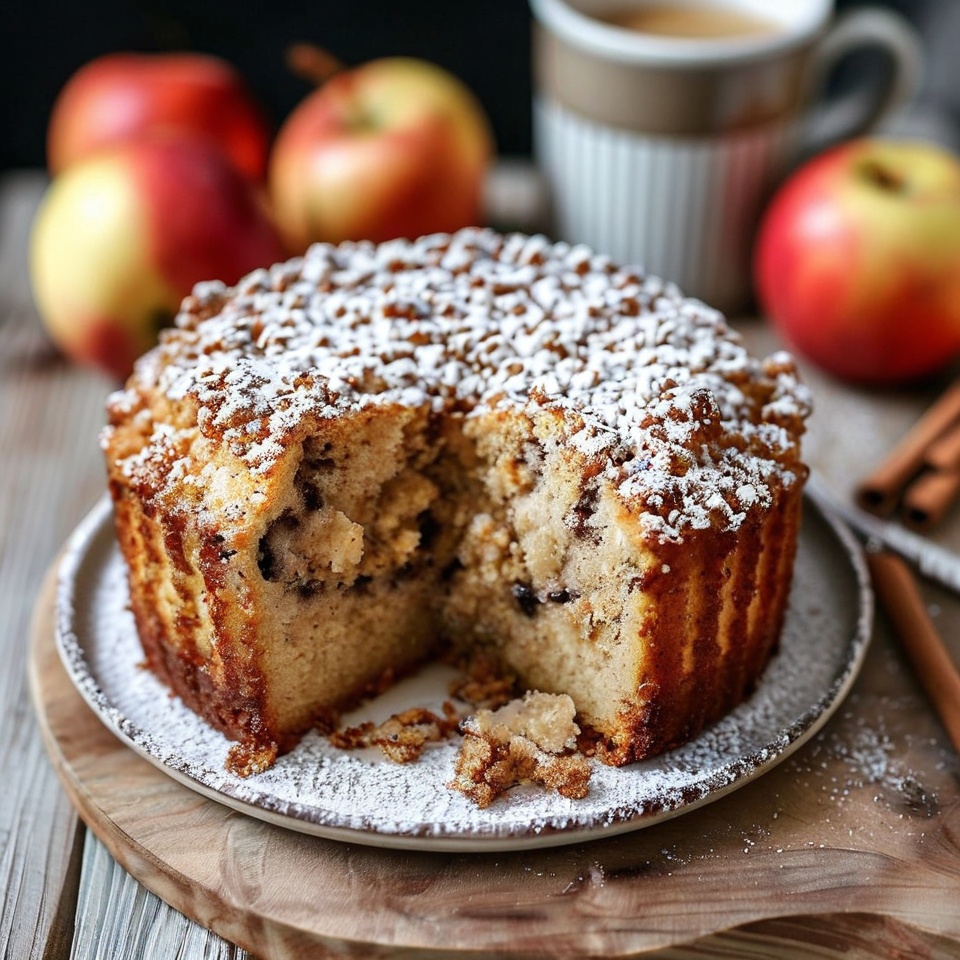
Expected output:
{"points": [[883, 177], [312, 63]]}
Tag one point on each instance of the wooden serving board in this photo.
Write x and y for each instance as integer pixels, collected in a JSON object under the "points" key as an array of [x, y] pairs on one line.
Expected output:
{"points": [[862, 825]]}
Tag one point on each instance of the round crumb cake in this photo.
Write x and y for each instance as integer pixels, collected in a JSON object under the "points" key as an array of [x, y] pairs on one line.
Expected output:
{"points": [[371, 455]]}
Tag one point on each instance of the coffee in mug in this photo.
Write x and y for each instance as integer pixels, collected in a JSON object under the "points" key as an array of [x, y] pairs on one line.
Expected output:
{"points": [[696, 22], [660, 147]]}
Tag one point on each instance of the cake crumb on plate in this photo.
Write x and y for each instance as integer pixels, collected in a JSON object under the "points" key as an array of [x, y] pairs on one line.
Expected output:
{"points": [[529, 740]]}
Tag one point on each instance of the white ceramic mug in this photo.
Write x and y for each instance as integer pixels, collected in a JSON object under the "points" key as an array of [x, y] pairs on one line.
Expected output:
{"points": [[662, 150]]}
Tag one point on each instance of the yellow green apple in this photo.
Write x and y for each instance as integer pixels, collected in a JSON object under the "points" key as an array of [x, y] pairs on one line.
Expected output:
{"points": [[395, 147], [120, 238]]}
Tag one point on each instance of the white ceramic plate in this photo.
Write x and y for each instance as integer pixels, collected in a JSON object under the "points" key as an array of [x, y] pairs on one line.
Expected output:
{"points": [[363, 798]]}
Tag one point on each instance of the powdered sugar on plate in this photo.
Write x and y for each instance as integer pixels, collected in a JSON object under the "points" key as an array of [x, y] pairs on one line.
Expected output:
{"points": [[364, 798]]}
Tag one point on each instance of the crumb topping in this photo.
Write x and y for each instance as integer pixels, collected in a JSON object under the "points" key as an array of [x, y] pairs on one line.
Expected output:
{"points": [[402, 737], [528, 740], [657, 385]]}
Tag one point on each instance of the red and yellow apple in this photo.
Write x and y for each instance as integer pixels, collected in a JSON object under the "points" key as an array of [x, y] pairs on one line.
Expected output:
{"points": [[395, 147], [125, 96], [119, 239], [858, 260]]}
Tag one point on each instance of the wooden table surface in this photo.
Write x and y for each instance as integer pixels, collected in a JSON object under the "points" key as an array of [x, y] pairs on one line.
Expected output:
{"points": [[64, 896]]}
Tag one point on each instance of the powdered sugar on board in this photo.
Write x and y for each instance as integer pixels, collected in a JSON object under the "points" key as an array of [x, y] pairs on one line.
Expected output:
{"points": [[321, 790]]}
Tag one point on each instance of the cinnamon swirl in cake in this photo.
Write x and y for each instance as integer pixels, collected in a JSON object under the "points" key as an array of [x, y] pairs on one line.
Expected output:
{"points": [[359, 458]]}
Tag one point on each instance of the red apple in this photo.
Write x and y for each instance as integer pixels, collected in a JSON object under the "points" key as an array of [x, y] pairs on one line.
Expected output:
{"points": [[858, 260], [396, 147], [123, 96], [121, 238]]}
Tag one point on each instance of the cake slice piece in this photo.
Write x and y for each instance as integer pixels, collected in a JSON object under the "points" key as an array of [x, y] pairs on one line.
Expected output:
{"points": [[530, 740]]}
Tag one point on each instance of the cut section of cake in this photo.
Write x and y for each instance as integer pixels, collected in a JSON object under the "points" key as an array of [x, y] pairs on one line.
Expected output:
{"points": [[362, 457]]}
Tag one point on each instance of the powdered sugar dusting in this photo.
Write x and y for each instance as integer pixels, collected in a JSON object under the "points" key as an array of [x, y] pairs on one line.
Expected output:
{"points": [[658, 384], [319, 789]]}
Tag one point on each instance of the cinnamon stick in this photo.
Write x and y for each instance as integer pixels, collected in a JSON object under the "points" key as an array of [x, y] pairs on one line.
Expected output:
{"points": [[900, 598], [880, 490], [929, 497], [944, 452]]}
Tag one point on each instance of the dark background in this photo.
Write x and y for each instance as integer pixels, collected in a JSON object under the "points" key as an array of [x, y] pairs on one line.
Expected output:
{"points": [[485, 43]]}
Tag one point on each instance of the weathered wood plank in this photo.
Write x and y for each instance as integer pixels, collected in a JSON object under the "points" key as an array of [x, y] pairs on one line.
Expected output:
{"points": [[117, 917], [39, 832]]}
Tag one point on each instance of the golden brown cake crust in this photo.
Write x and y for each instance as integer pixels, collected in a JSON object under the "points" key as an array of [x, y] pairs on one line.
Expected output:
{"points": [[476, 439]]}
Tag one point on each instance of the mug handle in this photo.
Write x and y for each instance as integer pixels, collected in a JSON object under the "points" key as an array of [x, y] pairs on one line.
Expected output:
{"points": [[863, 109]]}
